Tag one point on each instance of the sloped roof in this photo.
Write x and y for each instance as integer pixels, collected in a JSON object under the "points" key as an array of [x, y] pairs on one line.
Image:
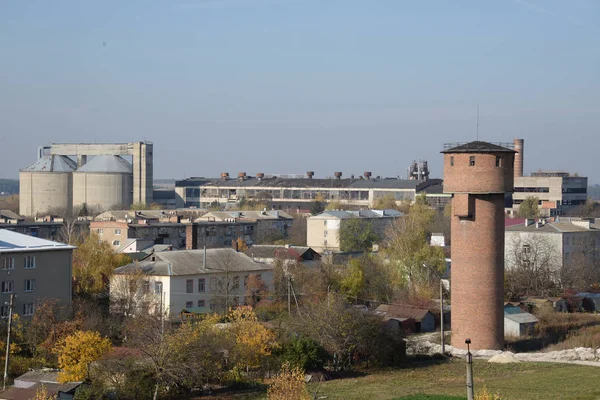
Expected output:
{"points": [[344, 214], [10, 215], [398, 311], [273, 251], [14, 242], [521, 318], [477, 147], [249, 215], [191, 262], [52, 163], [107, 163], [551, 227]]}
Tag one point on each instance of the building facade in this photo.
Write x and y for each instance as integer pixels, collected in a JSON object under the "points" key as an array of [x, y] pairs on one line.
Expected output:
{"points": [[211, 280], [33, 269], [323, 230]]}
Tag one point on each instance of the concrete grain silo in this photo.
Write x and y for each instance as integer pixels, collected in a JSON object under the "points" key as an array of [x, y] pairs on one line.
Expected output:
{"points": [[478, 174], [46, 185], [105, 181]]}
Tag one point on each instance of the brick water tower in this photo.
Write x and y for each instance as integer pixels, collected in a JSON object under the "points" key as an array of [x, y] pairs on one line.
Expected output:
{"points": [[478, 174]]}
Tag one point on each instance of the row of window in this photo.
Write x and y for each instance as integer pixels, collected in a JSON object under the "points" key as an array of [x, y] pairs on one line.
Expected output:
{"points": [[216, 284], [532, 190], [202, 303], [28, 310], [472, 161], [9, 262], [101, 231], [9, 286]]}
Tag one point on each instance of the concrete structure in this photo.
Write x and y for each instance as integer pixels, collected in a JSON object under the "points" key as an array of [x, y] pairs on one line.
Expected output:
{"points": [[103, 183], [46, 185], [557, 191], [564, 241], [323, 230], [520, 324], [282, 191], [211, 280], [478, 174], [33, 269]]}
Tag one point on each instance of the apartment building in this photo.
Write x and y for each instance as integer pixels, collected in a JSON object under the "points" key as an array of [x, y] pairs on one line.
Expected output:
{"points": [[209, 280], [323, 229], [33, 269]]}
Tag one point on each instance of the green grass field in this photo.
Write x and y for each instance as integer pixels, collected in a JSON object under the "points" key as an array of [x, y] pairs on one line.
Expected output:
{"points": [[520, 381]]}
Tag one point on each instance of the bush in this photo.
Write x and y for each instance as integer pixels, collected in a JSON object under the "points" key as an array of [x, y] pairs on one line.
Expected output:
{"points": [[483, 394], [289, 384], [304, 353]]}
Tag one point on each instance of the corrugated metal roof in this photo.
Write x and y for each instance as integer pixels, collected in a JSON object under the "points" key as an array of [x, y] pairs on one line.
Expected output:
{"points": [[107, 163], [52, 163], [191, 262], [397, 311], [12, 241], [521, 318]]}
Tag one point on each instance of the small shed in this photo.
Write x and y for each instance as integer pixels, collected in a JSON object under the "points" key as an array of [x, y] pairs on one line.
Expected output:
{"points": [[559, 304], [424, 319], [26, 386], [519, 324], [400, 325]]}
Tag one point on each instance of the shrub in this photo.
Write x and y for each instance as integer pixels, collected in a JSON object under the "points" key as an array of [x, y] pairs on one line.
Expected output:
{"points": [[304, 353], [484, 394], [289, 384]]}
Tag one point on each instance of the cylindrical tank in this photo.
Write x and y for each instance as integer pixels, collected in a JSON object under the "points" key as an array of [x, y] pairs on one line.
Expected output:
{"points": [[519, 148], [478, 174], [103, 182], [46, 186]]}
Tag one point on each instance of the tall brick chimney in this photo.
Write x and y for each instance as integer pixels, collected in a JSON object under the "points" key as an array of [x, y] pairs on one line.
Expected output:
{"points": [[478, 174], [519, 148], [191, 237]]}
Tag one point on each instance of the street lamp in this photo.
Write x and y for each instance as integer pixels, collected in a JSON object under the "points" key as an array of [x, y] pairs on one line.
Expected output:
{"points": [[470, 392]]}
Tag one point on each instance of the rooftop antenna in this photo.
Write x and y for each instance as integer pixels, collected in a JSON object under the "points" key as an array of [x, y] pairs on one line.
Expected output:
{"points": [[478, 122]]}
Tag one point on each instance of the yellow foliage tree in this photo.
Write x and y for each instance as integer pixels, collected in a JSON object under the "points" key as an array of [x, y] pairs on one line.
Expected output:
{"points": [[77, 351], [253, 340], [289, 384], [484, 394]]}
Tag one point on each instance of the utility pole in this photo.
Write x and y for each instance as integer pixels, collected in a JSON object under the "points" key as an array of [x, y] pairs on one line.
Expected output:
{"points": [[442, 316], [162, 313], [289, 283], [10, 311], [470, 390]]}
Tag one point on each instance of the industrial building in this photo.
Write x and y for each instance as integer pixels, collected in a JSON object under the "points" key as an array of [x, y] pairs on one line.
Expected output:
{"points": [[283, 191], [557, 191], [55, 182], [478, 174]]}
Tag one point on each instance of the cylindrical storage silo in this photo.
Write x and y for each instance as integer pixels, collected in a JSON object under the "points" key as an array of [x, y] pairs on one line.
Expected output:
{"points": [[104, 182], [47, 186]]}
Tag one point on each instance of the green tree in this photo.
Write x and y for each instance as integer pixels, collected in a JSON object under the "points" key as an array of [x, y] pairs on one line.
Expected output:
{"points": [[317, 207], [357, 234], [529, 208]]}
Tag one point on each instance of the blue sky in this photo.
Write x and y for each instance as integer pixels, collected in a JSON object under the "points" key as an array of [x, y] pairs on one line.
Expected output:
{"points": [[285, 86]]}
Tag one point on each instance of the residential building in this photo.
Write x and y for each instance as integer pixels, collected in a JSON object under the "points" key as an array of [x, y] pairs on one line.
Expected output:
{"points": [[283, 190], [424, 320], [207, 280], [33, 268], [47, 227], [269, 224], [323, 230], [563, 241]]}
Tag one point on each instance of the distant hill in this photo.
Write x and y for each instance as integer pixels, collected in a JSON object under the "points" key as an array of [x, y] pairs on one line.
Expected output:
{"points": [[594, 192], [9, 186]]}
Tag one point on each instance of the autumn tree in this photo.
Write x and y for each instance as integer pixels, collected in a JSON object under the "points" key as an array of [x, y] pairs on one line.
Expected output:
{"points": [[317, 207], [529, 208], [239, 244], [406, 247], [357, 234], [385, 202], [77, 351], [253, 340], [289, 384], [368, 277], [93, 265]]}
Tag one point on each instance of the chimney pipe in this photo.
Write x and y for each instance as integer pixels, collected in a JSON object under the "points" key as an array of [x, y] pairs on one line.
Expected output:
{"points": [[338, 175], [260, 176], [519, 148], [224, 176], [242, 176], [310, 174], [367, 175]]}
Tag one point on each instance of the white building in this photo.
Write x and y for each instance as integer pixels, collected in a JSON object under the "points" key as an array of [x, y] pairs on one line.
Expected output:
{"points": [[520, 324], [204, 280]]}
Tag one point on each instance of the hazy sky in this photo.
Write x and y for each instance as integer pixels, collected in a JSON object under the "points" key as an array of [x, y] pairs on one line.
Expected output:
{"points": [[285, 86]]}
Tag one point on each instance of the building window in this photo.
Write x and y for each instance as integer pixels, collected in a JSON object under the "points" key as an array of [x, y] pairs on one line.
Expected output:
{"points": [[157, 287], [100, 231], [189, 286], [8, 263], [498, 161], [236, 283], [472, 161], [201, 285], [212, 286], [28, 309], [3, 311], [29, 262], [246, 280], [116, 243], [7, 286], [189, 304], [146, 287], [117, 231], [526, 249], [29, 285], [452, 161], [200, 303]]}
